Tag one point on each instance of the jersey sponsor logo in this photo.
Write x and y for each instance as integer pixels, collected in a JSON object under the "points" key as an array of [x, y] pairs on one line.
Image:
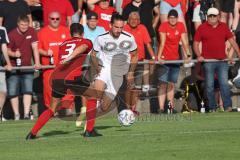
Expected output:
{"points": [[176, 33], [55, 44], [29, 37], [125, 45], [109, 46], [63, 36], [106, 17]]}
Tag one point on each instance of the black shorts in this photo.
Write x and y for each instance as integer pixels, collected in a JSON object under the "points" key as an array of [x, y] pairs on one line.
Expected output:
{"points": [[77, 87], [227, 5]]}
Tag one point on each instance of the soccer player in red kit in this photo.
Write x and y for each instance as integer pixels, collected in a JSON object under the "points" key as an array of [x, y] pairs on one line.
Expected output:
{"points": [[72, 54]]}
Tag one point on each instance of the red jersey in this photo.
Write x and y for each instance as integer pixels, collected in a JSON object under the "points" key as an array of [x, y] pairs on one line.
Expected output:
{"points": [[213, 40], [72, 69], [173, 3], [173, 37], [64, 7], [104, 16], [141, 37], [50, 39], [23, 42]]}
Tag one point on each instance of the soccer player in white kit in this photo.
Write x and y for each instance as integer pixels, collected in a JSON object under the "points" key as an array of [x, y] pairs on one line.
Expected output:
{"points": [[117, 56]]}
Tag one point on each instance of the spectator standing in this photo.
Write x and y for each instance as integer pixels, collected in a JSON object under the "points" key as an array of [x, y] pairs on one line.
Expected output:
{"points": [[213, 34], [63, 7], [49, 47], [142, 39], [4, 57], [9, 12], [23, 43], [91, 29], [170, 33], [167, 5], [104, 11]]}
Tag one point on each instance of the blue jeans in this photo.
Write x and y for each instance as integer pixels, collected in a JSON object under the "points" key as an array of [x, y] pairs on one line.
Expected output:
{"points": [[19, 83], [221, 69]]}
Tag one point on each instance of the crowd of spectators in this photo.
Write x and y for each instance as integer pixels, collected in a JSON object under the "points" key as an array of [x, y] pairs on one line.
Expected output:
{"points": [[32, 30]]}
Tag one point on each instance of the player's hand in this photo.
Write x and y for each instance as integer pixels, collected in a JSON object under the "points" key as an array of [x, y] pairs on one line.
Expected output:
{"points": [[37, 66], [200, 59], [130, 80], [49, 52], [8, 67], [17, 53], [160, 60], [187, 60], [231, 61]]}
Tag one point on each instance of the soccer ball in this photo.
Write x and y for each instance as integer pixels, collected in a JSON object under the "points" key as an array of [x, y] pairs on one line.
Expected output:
{"points": [[126, 117]]}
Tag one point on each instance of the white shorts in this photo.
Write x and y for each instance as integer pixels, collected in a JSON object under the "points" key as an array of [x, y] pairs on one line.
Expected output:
{"points": [[196, 14], [113, 82]]}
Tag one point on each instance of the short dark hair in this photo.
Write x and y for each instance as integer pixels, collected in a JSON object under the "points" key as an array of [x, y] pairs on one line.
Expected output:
{"points": [[76, 28], [23, 18], [173, 13], [116, 17]]}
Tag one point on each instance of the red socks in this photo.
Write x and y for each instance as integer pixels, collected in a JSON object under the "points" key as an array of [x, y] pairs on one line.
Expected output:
{"points": [[91, 114], [42, 120]]}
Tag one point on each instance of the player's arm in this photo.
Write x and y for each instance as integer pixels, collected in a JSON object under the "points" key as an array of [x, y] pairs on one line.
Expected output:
{"points": [[133, 65], [36, 55], [94, 61], [77, 51], [162, 36], [91, 4], [184, 39], [157, 1], [5, 54]]}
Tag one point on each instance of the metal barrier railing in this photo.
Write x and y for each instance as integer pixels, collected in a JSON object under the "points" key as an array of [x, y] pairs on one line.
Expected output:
{"points": [[29, 68], [141, 62]]}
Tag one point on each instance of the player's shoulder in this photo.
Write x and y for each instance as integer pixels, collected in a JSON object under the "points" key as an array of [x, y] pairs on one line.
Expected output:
{"points": [[104, 34], [127, 34]]}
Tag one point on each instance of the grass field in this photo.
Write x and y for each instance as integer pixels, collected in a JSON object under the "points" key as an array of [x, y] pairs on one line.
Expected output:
{"points": [[201, 136]]}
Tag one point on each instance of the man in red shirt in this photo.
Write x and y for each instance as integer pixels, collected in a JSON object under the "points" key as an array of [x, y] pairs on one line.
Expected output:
{"points": [[72, 54], [213, 34], [104, 11], [170, 33], [142, 39], [23, 43], [50, 38], [64, 7]]}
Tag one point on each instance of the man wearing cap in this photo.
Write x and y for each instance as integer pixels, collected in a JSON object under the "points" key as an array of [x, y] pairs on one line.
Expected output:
{"points": [[170, 33], [91, 29], [213, 34]]}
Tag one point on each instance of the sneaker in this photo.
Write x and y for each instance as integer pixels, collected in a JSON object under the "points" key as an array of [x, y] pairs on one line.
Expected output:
{"points": [[229, 109], [3, 119], [211, 110], [30, 136], [93, 133], [161, 111], [81, 117], [17, 117]]}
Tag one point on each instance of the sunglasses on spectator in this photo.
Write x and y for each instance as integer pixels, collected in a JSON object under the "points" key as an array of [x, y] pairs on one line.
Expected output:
{"points": [[54, 19], [212, 15]]}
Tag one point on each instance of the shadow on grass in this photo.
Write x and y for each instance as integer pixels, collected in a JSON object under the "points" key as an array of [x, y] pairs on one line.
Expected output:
{"points": [[106, 127], [53, 133]]}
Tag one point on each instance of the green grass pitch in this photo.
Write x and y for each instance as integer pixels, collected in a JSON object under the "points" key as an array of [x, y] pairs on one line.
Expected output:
{"points": [[188, 137]]}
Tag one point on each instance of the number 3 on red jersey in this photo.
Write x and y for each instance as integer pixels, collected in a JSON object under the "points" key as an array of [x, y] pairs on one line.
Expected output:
{"points": [[68, 50]]}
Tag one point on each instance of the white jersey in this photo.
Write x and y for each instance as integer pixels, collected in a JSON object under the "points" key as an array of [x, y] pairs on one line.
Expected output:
{"points": [[115, 53]]}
